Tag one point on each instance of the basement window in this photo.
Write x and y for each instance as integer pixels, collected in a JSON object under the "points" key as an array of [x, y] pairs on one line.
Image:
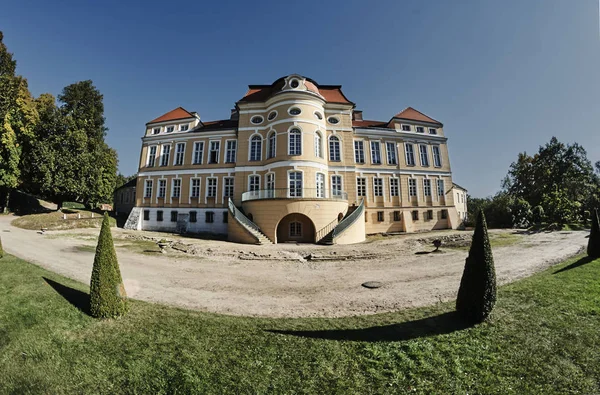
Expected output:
{"points": [[173, 216], [159, 215], [193, 216], [397, 216], [210, 217], [444, 214], [429, 215], [146, 215], [380, 216], [415, 215]]}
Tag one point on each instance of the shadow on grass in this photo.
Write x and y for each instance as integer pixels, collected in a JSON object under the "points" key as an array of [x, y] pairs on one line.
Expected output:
{"points": [[576, 264], [77, 298], [431, 326]]}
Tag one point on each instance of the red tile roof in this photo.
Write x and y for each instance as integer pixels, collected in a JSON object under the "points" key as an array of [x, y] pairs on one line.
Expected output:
{"points": [[369, 124], [178, 113], [411, 114]]}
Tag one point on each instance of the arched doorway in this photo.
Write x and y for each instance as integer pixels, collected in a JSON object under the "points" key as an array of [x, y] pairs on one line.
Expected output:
{"points": [[296, 227]]}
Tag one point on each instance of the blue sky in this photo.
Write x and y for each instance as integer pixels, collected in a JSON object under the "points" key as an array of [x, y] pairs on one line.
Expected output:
{"points": [[503, 76]]}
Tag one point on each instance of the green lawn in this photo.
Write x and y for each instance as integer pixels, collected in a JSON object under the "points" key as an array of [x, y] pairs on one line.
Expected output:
{"points": [[54, 220], [543, 338]]}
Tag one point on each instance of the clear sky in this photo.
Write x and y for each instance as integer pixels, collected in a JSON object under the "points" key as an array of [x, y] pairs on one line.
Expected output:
{"points": [[503, 76]]}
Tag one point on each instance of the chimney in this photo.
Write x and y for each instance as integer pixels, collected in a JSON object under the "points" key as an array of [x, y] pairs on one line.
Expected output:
{"points": [[234, 114], [357, 115]]}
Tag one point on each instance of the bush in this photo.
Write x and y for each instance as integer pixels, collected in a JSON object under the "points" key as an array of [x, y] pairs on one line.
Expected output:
{"points": [[107, 293], [1, 249], [477, 292], [538, 215], [593, 248]]}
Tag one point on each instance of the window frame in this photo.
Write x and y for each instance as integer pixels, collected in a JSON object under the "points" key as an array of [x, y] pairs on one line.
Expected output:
{"points": [[198, 155], [295, 133], [296, 187], [230, 153], [405, 127], [151, 158], [375, 148], [295, 229], [179, 156], [193, 216], [424, 154], [420, 129], [394, 186], [361, 143], [391, 153], [209, 217], [228, 190], [211, 143], [380, 216], [437, 158], [212, 188], [176, 188], [146, 215], [271, 144], [434, 130], [409, 154], [193, 187], [333, 185], [413, 188], [174, 214], [318, 144], [159, 215], [165, 155], [148, 184], [162, 188], [427, 192], [362, 185], [377, 189], [335, 147], [255, 139]]}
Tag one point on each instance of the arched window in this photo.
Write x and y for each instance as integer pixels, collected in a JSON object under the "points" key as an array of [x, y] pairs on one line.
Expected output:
{"points": [[295, 139], [272, 146], [334, 148], [255, 148], [318, 145]]}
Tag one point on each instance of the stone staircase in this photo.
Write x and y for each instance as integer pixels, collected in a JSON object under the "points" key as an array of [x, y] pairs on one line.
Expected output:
{"points": [[248, 225], [133, 221], [351, 215]]}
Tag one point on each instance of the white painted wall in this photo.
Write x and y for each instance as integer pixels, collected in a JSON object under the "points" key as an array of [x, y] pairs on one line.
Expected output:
{"points": [[217, 227]]}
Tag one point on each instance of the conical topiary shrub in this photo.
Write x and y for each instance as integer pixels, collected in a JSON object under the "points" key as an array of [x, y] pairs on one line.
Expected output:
{"points": [[477, 292], [1, 249], [593, 248], [107, 293]]}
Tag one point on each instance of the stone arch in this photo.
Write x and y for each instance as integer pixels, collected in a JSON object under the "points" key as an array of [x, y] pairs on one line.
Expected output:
{"points": [[296, 227]]}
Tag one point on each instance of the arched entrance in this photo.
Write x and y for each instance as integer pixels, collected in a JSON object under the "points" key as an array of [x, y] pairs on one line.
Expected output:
{"points": [[296, 227]]}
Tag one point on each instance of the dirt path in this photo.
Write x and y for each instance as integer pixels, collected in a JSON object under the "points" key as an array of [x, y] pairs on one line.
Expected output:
{"points": [[278, 281]]}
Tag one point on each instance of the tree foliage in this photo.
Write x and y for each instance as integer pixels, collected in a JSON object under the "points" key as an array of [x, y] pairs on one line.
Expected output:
{"points": [[477, 292], [593, 248], [107, 293]]}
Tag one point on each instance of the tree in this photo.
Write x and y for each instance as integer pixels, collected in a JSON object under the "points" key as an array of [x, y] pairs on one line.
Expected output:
{"points": [[107, 293], [477, 292], [1, 249], [559, 208], [593, 248], [538, 215]]}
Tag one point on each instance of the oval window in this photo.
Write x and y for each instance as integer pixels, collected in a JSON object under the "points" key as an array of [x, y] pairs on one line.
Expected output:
{"points": [[256, 119], [295, 111], [272, 115], [318, 115], [294, 84], [333, 120]]}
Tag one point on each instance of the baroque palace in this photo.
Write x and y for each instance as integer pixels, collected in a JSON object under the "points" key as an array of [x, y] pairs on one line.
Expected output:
{"points": [[295, 162]]}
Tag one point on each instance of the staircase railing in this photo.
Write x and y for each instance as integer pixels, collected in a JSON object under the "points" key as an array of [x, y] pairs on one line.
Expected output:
{"points": [[237, 214], [326, 230], [349, 220]]}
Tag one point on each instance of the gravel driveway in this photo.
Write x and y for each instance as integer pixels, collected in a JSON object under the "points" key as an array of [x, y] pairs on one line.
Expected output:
{"points": [[288, 280]]}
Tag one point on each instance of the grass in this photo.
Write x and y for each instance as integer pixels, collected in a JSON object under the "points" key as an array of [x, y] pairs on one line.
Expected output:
{"points": [[542, 338], [497, 239], [55, 221]]}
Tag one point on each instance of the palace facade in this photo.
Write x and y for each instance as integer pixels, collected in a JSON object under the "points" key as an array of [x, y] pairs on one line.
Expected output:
{"points": [[295, 162]]}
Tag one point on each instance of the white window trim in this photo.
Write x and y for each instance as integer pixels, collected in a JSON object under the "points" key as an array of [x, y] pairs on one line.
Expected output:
{"points": [[154, 128], [288, 181], [175, 156], [366, 187], [318, 134], [181, 125], [416, 188], [259, 181], [262, 119], [151, 181], [354, 151], [148, 156], [425, 196], [210, 150], [227, 150], [267, 177], [169, 126], [433, 155], [434, 131], [250, 147], [190, 197], [427, 155], [171, 197], [406, 154], [224, 186], [158, 188], [216, 189], [271, 133], [417, 129], [378, 142], [289, 134], [339, 140], [397, 185], [382, 188], [203, 143], [275, 117], [294, 115], [395, 152], [402, 125], [162, 153], [331, 183], [324, 183]]}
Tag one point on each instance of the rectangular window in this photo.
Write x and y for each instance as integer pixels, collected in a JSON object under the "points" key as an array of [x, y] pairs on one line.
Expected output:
{"points": [[336, 185], [164, 157], [427, 187], [156, 131], [198, 152], [211, 187], [151, 156], [318, 145], [432, 131], [380, 216], [195, 187], [406, 128], [320, 185], [444, 214], [412, 187], [424, 155], [170, 129], [375, 153], [359, 151], [179, 152], [254, 183], [440, 187], [410, 154], [437, 157], [193, 216], [378, 186], [394, 191], [334, 149], [176, 188], [159, 215], [146, 215], [272, 145], [429, 215], [148, 189], [361, 186], [415, 215], [295, 137], [390, 149], [295, 229], [228, 187], [162, 188], [214, 152], [173, 216], [420, 129], [225, 217], [397, 216], [295, 183], [210, 217], [231, 151], [184, 127]]}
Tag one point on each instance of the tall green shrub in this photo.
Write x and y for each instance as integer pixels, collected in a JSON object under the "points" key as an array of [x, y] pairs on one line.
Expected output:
{"points": [[477, 292], [107, 293], [593, 248], [1, 249]]}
